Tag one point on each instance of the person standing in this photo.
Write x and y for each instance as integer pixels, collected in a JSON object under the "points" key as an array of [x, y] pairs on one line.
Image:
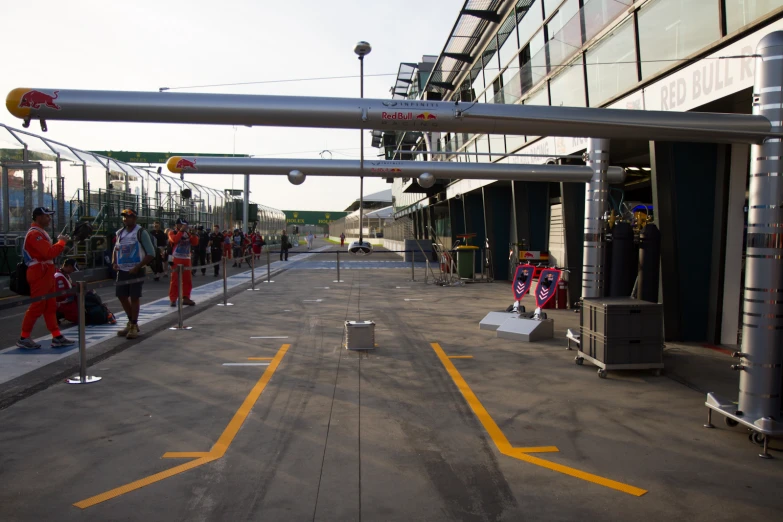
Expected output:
{"points": [[161, 240], [238, 242], [182, 242], [342, 239], [310, 238], [258, 243], [132, 252], [216, 247], [284, 245], [200, 253], [39, 253]]}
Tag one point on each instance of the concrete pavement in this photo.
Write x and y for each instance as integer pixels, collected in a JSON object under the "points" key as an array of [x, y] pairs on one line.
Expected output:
{"points": [[405, 432]]}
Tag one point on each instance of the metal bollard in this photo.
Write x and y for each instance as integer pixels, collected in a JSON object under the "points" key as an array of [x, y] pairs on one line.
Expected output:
{"points": [[225, 285], [252, 273], [180, 325], [268, 268], [338, 269], [413, 273], [427, 272], [83, 378]]}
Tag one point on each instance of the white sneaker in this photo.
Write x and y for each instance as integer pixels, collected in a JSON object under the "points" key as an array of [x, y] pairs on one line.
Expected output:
{"points": [[62, 341]]}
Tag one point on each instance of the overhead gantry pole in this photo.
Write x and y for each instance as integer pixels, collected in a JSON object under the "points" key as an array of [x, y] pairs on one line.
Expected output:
{"points": [[425, 172], [406, 115]]}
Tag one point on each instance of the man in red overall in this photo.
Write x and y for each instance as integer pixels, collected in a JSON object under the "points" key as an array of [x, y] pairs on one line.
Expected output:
{"points": [[181, 243], [39, 254]]}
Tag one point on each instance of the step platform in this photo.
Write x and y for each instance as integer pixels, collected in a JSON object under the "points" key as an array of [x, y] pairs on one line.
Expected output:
{"points": [[527, 330], [494, 319]]}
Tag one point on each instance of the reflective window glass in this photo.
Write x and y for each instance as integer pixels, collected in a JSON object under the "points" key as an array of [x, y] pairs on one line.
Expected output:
{"points": [[611, 64], [507, 37], [550, 6], [670, 30], [742, 12], [482, 145], [540, 97], [514, 143], [568, 87], [529, 24]]}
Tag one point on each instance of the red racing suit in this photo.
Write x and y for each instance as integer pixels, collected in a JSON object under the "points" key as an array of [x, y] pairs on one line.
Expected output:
{"points": [[181, 244], [67, 305], [39, 254]]}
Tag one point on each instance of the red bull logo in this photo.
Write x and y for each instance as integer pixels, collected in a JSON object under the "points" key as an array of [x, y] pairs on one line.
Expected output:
{"points": [[34, 100], [528, 255], [185, 164], [426, 116]]}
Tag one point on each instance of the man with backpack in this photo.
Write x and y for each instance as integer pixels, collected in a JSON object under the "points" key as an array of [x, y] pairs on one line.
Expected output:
{"points": [[39, 253], [132, 252]]}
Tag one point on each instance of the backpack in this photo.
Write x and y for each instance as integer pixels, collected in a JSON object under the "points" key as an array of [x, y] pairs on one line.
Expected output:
{"points": [[18, 280]]}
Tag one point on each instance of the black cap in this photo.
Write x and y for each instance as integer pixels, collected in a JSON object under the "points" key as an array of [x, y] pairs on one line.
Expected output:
{"points": [[128, 212], [40, 211], [200, 227], [182, 221], [71, 262]]}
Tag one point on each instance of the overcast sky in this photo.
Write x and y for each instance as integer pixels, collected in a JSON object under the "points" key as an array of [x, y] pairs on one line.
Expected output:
{"points": [[147, 44]]}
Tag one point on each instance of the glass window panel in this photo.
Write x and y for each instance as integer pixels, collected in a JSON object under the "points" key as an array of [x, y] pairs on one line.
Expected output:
{"points": [[563, 15], [482, 145], [670, 30], [497, 145], [550, 6], [597, 14], [514, 143], [540, 97], [64, 152], [568, 87], [742, 12], [611, 64], [509, 44], [89, 159], [10, 148], [38, 150], [529, 24]]}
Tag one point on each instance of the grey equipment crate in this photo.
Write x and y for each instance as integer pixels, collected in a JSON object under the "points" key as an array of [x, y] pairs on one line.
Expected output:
{"points": [[621, 350], [360, 335], [620, 353], [622, 317]]}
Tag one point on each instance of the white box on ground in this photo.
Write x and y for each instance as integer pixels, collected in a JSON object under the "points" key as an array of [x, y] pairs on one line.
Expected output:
{"points": [[494, 319], [360, 335], [527, 330]]}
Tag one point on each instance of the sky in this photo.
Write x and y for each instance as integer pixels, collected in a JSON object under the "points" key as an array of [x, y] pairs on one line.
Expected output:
{"points": [[147, 44]]}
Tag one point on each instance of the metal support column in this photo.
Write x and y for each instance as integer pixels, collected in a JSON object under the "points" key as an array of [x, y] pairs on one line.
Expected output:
{"points": [[761, 355], [595, 204], [246, 204]]}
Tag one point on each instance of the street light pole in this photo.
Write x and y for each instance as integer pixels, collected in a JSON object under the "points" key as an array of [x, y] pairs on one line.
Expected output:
{"points": [[362, 49]]}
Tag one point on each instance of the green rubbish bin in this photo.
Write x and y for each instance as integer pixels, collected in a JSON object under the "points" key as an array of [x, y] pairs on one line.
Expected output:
{"points": [[466, 261]]}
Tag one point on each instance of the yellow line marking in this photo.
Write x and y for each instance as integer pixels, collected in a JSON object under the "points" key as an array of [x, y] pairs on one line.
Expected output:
{"points": [[504, 446], [460, 356], [537, 449], [260, 358], [184, 454], [217, 451]]}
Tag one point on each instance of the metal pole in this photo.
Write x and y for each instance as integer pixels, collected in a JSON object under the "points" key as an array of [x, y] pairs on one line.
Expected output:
{"points": [[83, 378], [762, 330], [252, 270], [361, 155], [338, 269], [225, 284], [268, 267], [413, 273], [181, 326], [595, 205], [246, 205]]}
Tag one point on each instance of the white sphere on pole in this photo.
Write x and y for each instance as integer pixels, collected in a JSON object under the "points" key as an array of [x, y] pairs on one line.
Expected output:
{"points": [[296, 177], [426, 180]]}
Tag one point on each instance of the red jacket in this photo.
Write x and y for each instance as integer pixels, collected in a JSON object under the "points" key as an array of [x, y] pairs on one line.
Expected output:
{"points": [[39, 252]]}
